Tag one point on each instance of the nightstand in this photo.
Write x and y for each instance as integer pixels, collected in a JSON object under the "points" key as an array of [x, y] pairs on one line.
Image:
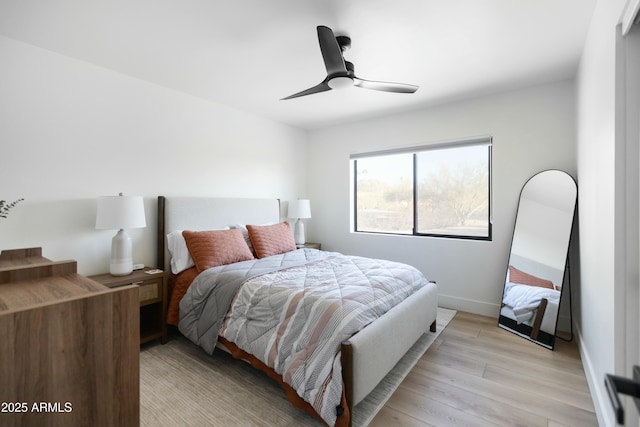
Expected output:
{"points": [[153, 300], [309, 245]]}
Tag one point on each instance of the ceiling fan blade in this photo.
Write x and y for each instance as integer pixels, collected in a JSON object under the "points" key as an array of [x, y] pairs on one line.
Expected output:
{"points": [[331, 52], [385, 86], [340, 72], [321, 87]]}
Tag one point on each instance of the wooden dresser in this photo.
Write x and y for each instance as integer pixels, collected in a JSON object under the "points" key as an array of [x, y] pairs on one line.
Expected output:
{"points": [[69, 346]]}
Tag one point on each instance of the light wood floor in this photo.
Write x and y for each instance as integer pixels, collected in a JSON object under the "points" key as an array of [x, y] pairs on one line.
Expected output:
{"points": [[476, 374]]}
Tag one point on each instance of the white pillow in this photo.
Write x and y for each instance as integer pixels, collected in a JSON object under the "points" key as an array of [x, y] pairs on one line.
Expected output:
{"points": [[180, 256], [245, 234]]}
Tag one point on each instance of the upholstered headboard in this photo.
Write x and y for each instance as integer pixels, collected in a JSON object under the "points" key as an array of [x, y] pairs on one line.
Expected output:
{"points": [[207, 213]]}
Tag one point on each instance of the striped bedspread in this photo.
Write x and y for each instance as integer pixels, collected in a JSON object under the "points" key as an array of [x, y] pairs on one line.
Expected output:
{"points": [[294, 319]]}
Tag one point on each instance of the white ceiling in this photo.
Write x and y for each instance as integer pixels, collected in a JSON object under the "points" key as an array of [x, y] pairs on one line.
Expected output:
{"points": [[248, 54]]}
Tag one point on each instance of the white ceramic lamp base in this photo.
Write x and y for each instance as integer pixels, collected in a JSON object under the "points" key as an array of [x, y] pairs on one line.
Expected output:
{"points": [[299, 232], [121, 254]]}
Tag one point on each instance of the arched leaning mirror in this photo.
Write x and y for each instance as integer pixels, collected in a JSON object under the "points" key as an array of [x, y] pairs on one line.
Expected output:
{"points": [[538, 257]]}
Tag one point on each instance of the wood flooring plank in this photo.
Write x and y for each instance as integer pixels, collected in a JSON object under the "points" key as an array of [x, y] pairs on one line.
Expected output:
{"points": [[391, 417], [561, 391], [457, 361], [518, 365], [451, 389], [432, 411], [532, 355], [511, 400], [463, 316], [479, 374]]}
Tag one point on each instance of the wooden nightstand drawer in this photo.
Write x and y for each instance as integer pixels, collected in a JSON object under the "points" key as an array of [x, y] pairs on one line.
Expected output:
{"points": [[150, 291]]}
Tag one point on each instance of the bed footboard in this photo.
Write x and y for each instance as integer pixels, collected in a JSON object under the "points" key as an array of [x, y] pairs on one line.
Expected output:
{"points": [[370, 354]]}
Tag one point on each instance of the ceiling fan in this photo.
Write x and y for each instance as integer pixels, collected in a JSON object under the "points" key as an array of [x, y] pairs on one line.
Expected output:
{"points": [[340, 73]]}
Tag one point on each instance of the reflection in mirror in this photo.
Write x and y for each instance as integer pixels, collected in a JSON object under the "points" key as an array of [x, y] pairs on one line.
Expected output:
{"points": [[535, 273]]}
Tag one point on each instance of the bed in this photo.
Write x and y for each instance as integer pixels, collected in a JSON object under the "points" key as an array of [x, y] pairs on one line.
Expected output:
{"points": [[364, 356], [530, 302]]}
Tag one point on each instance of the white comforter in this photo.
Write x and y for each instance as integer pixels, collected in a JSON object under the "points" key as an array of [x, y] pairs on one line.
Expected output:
{"points": [[525, 299]]}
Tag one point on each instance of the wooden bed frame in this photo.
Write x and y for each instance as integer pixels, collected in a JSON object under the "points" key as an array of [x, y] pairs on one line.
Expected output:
{"points": [[368, 355], [534, 332]]}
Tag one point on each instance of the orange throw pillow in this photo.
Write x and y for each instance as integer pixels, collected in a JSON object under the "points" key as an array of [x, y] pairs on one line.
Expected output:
{"points": [[517, 276], [273, 239], [216, 247]]}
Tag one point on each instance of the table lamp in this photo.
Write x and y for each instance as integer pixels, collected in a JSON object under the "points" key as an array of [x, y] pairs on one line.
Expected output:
{"points": [[299, 209], [118, 213]]}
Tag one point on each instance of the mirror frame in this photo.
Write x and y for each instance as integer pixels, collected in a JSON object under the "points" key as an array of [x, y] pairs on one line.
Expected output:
{"points": [[532, 332]]}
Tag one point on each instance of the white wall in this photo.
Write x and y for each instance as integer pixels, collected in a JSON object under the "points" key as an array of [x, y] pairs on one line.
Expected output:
{"points": [[532, 129], [601, 297], [71, 131]]}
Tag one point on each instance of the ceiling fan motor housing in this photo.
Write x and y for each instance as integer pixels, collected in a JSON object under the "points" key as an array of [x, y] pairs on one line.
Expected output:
{"points": [[342, 80], [344, 42]]}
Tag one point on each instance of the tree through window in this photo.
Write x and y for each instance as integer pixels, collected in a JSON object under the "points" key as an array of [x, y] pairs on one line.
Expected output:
{"points": [[441, 190]]}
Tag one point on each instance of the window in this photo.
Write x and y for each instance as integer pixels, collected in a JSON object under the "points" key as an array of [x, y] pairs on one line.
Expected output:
{"points": [[436, 190]]}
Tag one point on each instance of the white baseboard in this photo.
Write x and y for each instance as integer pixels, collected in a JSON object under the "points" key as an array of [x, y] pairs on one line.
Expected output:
{"points": [[601, 402], [488, 309], [470, 306]]}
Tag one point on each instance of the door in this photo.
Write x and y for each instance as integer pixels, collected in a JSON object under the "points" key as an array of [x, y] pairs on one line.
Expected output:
{"points": [[629, 51], [627, 288]]}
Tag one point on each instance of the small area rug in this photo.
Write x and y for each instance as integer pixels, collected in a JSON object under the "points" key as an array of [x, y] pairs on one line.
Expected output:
{"points": [[180, 385]]}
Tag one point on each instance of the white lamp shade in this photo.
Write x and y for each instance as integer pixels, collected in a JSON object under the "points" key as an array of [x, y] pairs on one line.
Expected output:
{"points": [[300, 208], [120, 212]]}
